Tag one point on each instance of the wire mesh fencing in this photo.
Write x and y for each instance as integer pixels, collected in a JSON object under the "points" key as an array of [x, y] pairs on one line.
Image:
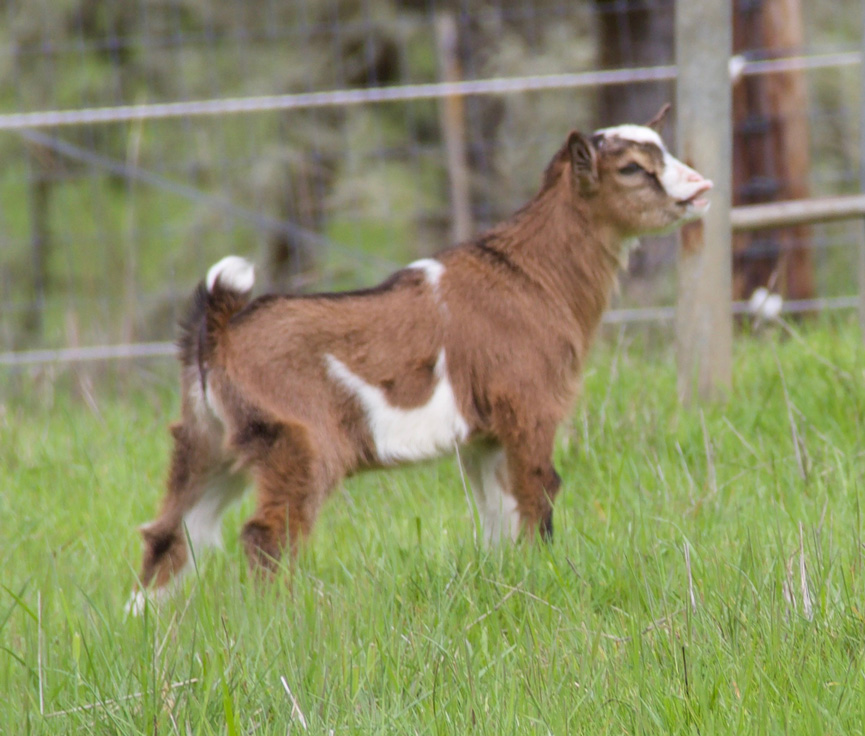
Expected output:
{"points": [[144, 140]]}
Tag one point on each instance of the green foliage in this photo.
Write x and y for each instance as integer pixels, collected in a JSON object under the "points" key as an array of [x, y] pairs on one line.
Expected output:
{"points": [[122, 254], [397, 623]]}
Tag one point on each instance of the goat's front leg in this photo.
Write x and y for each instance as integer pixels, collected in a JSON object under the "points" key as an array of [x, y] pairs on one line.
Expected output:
{"points": [[487, 470], [534, 483]]}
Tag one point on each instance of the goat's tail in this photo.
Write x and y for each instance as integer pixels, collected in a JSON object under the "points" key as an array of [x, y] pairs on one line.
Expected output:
{"points": [[222, 294]]}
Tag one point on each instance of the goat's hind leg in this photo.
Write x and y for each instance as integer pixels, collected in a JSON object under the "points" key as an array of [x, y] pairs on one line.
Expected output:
{"points": [[291, 480], [200, 486]]}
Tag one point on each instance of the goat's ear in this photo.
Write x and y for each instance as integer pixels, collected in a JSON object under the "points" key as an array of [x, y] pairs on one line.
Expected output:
{"points": [[657, 122], [584, 162]]}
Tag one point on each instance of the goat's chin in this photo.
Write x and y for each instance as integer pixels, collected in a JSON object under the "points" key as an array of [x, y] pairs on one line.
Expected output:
{"points": [[695, 209], [686, 212]]}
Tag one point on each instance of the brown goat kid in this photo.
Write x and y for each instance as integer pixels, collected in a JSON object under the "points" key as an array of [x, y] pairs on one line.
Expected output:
{"points": [[481, 347]]}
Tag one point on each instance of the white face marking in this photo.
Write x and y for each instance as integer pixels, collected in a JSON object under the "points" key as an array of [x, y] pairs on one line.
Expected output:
{"points": [[432, 268], [203, 521], [636, 133], [680, 181], [488, 474], [407, 434], [234, 272]]}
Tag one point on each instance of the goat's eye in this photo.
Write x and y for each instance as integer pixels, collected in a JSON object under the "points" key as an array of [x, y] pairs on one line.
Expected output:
{"points": [[631, 168]]}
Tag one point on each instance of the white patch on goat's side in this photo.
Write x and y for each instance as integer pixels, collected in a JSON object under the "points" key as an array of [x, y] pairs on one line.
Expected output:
{"points": [[635, 133], [432, 268], [488, 474], [418, 433], [234, 273], [203, 522]]}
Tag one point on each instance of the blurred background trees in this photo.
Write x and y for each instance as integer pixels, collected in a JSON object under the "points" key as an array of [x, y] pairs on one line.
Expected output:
{"points": [[103, 228]]}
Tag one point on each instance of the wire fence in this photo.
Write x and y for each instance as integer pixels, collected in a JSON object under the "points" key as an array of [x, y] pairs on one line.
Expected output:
{"points": [[144, 142], [404, 93]]}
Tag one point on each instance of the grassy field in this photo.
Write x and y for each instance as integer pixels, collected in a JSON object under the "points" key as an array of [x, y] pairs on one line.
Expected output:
{"points": [[706, 576]]}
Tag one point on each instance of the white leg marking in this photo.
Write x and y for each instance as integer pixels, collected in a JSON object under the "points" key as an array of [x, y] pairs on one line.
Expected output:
{"points": [[203, 522], [138, 599], [488, 473], [407, 434], [136, 603]]}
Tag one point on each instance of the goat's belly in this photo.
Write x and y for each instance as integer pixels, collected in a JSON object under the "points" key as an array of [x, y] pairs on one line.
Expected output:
{"points": [[405, 434]]}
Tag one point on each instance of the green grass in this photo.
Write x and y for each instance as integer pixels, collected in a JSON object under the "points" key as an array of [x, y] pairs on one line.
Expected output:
{"points": [[397, 623]]}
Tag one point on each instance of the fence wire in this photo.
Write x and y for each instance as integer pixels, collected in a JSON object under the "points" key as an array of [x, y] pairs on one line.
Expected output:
{"points": [[143, 142], [404, 93]]}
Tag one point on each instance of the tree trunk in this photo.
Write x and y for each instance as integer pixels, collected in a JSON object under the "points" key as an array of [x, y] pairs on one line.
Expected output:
{"points": [[634, 33], [771, 152]]}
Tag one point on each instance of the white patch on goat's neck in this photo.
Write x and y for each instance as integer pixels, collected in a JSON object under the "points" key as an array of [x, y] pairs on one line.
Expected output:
{"points": [[432, 268], [234, 273], [418, 433]]}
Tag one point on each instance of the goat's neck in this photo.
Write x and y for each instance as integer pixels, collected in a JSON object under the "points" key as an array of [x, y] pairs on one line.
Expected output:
{"points": [[572, 256]]}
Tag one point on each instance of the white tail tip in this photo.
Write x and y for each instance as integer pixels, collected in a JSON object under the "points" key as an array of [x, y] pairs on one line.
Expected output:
{"points": [[234, 273]]}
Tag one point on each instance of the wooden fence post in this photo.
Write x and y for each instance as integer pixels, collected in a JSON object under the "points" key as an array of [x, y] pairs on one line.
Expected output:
{"points": [[40, 190], [771, 150], [452, 117], [862, 174], [704, 328]]}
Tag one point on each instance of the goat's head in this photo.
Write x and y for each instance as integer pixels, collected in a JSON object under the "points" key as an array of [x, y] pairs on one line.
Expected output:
{"points": [[633, 182]]}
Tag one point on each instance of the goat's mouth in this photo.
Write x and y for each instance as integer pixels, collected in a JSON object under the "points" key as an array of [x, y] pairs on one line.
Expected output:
{"points": [[696, 202]]}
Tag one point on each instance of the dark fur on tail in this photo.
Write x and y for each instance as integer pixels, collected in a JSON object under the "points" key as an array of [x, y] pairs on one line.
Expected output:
{"points": [[207, 315], [191, 326]]}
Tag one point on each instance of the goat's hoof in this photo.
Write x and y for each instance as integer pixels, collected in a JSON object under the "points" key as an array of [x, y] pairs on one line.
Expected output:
{"points": [[136, 604]]}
